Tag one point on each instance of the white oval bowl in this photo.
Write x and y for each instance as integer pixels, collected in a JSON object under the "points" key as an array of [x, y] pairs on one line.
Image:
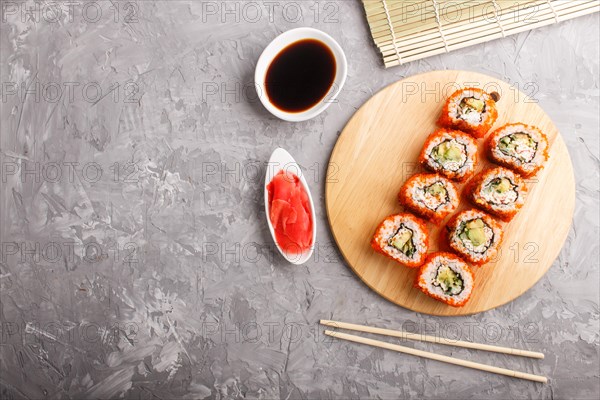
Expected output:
{"points": [[275, 47], [282, 160]]}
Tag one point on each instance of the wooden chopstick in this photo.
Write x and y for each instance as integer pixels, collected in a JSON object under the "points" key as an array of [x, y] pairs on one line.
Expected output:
{"points": [[432, 339], [438, 357]]}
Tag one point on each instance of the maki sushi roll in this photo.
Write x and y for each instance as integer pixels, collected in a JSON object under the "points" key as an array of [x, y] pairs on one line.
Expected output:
{"points": [[474, 235], [499, 191], [404, 238], [522, 148], [446, 278], [471, 110], [431, 196], [450, 153]]}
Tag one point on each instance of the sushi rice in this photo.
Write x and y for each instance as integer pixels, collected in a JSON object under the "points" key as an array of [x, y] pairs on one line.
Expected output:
{"points": [[499, 191], [404, 238], [447, 278], [431, 196], [450, 153], [471, 110], [474, 235], [522, 148]]}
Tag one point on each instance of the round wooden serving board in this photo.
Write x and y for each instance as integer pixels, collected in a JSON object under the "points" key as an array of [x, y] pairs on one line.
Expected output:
{"points": [[377, 152]]}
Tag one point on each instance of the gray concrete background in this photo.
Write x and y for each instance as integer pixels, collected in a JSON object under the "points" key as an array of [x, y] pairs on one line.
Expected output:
{"points": [[136, 261]]}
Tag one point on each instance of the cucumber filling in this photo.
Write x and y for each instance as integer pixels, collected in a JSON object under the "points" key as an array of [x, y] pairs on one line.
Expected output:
{"points": [[450, 155], [403, 241], [500, 191], [471, 109], [448, 280], [476, 235], [433, 196], [520, 146]]}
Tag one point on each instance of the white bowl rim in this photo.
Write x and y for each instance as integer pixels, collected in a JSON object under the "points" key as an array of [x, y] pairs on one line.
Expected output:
{"points": [[280, 159], [274, 48]]}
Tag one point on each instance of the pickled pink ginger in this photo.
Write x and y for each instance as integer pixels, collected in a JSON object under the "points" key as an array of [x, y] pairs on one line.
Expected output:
{"points": [[289, 211]]}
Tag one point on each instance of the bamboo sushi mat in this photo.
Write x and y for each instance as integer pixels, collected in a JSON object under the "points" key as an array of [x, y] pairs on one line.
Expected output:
{"points": [[408, 30]]}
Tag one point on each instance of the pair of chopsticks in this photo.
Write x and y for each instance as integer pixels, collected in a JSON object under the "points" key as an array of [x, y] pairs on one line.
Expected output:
{"points": [[434, 356]]}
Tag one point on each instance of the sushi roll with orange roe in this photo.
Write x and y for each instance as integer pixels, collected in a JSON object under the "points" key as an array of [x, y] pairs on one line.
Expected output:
{"points": [[474, 235], [499, 191], [522, 148], [431, 196], [470, 110], [403, 238], [446, 278], [452, 154]]}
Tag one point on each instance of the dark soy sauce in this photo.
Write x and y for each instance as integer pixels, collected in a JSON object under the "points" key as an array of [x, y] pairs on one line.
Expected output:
{"points": [[300, 75]]}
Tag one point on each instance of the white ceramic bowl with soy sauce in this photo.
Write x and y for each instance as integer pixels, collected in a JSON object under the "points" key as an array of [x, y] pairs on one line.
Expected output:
{"points": [[300, 74]]}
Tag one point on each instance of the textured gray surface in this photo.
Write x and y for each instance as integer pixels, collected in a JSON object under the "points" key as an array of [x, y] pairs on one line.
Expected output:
{"points": [[145, 270]]}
